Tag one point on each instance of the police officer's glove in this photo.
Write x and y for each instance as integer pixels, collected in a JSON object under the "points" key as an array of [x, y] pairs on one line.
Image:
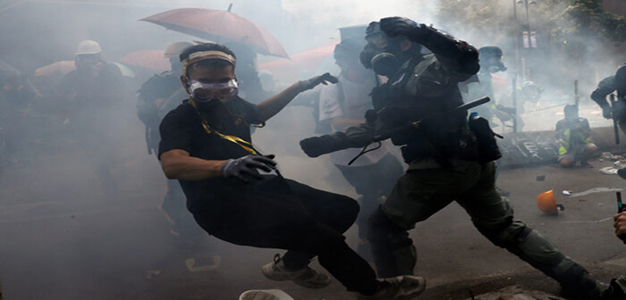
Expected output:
{"points": [[395, 26], [606, 112], [318, 145], [248, 166], [315, 81]]}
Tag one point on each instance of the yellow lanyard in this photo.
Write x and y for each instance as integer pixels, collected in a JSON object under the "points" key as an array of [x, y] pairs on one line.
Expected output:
{"points": [[237, 140]]}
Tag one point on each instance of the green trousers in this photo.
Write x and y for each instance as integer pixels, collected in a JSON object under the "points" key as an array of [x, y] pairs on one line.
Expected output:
{"points": [[425, 190]]}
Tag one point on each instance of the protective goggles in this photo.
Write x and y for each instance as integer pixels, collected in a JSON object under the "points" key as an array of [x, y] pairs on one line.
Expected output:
{"points": [[204, 92]]}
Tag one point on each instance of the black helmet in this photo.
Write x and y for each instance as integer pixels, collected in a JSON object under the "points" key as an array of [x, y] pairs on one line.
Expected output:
{"points": [[490, 51]]}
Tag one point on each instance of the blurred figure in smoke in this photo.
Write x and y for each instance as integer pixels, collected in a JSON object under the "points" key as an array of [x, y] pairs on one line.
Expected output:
{"points": [[606, 87], [206, 145], [152, 98], [16, 96], [342, 105], [154, 92], [450, 157], [481, 85], [529, 92], [574, 134], [92, 95], [247, 74]]}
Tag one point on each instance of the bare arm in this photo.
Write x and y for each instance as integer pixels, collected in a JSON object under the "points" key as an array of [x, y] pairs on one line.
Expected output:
{"points": [[177, 164], [273, 105]]}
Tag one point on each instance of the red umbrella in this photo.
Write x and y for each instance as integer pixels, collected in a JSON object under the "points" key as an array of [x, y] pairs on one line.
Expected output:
{"points": [[309, 60], [219, 25], [152, 59]]}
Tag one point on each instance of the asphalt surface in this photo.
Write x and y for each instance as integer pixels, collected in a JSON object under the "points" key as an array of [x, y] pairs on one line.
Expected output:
{"points": [[62, 238]]}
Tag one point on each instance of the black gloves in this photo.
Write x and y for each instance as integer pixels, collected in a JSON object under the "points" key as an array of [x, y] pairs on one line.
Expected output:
{"points": [[395, 26], [314, 81], [248, 166]]}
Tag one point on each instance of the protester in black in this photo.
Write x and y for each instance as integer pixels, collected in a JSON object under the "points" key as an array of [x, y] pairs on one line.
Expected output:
{"points": [[206, 145]]}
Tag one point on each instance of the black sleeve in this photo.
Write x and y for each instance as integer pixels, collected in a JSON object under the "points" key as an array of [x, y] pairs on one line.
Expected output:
{"points": [[605, 87], [175, 133]]}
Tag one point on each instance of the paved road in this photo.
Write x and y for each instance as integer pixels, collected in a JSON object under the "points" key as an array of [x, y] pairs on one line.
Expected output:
{"points": [[60, 238]]}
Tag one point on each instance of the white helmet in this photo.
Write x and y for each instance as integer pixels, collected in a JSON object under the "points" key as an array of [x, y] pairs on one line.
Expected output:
{"points": [[88, 47]]}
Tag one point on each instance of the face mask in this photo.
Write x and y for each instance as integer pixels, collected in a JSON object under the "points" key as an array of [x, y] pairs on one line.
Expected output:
{"points": [[382, 61], [205, 92]]}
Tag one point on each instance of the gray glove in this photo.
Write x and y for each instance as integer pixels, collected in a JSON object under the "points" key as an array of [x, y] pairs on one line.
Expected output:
{"points": [[248, 166], [314, 81]]}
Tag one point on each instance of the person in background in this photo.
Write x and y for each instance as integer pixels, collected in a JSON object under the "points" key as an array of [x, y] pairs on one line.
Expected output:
{"points": [[574, 134], [344, 104], [92, 95]]}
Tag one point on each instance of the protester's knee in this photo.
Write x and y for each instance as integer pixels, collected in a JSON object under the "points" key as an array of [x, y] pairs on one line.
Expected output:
{"points": [[590, 148], [566, 162]]}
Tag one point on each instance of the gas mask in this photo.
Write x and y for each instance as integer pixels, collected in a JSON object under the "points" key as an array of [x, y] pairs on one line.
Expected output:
{"points": [[494, 64], [382, 60], [203, 93], [88, 64]]}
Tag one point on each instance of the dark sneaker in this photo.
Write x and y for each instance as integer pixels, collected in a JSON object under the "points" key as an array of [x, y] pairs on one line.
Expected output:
{"points": [[614, 292], [305, 277], [398, 288]]}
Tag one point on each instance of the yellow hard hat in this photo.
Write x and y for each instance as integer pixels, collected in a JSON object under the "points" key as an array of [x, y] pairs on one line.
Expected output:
{"points": [[174, 50], [546, 202]]}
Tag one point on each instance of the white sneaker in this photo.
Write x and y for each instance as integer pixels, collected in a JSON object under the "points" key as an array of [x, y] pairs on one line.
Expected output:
{"points": [[398, 288], [305, 277], [265, 295]]}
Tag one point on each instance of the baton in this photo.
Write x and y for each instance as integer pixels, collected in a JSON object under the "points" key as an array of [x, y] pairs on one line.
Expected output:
{"points": [[615, 129], [414, 125]]}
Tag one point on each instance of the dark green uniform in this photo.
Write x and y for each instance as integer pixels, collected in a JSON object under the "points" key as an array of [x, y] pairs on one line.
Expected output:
{"points": [[445, 165]]}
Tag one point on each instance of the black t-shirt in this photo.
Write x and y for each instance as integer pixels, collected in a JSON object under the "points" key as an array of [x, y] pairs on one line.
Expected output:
{"points": [[182, 129]]}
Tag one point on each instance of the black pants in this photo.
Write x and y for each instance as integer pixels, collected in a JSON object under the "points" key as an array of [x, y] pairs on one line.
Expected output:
{"points": [[308, 223]]}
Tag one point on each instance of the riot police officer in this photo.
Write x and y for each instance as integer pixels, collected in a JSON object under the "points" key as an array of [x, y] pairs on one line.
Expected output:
{"points": [[449, 157], [606, 87]]}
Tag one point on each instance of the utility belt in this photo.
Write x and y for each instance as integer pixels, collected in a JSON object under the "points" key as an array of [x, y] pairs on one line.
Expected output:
{"points": [[475, 142]]}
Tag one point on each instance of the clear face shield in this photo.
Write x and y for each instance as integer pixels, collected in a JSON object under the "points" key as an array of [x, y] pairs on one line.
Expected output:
{"points": [[205, 92]]}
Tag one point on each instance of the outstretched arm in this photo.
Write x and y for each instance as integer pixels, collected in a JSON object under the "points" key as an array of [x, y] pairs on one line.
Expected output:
{"points": [[273, 105]]}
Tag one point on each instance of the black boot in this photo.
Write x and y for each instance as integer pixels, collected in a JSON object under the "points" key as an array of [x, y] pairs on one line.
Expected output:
{"points": [[576, 284]]}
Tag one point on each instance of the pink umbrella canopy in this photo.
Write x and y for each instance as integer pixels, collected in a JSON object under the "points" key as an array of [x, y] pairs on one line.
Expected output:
{"points": [[221, 26], [152, 59], [310, 60]]}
